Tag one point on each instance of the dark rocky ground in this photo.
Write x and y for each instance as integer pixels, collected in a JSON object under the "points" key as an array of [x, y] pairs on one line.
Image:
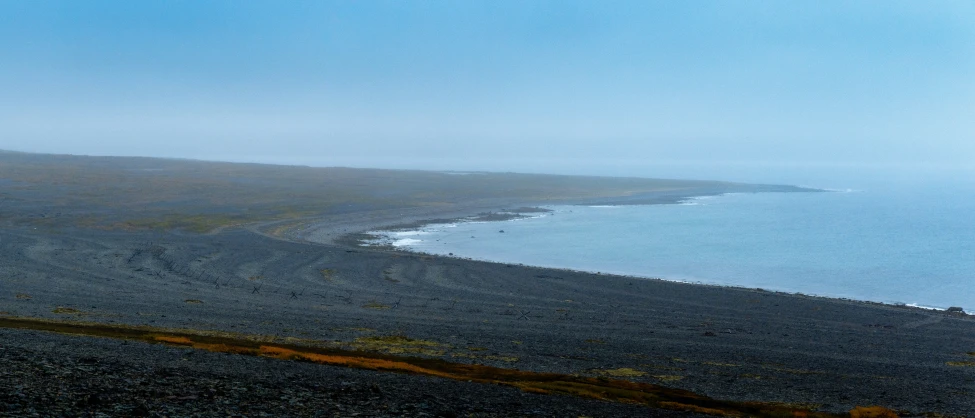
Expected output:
{"points": [[736, 344], [57, 375], [74, 246]]}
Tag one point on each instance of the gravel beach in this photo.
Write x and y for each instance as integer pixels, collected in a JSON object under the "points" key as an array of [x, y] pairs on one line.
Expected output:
{"points": [[725, 343]]}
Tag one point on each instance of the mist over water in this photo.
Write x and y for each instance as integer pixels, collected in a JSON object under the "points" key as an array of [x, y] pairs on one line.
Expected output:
{"points": [[830, 175], [877, 239]]}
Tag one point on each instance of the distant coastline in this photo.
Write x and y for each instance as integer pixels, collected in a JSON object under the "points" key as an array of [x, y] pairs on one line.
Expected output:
{"points": [[418, 237]]}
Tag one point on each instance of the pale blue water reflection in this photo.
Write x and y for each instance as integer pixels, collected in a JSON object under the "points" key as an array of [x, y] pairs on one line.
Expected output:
{"points": [[913, 245]]}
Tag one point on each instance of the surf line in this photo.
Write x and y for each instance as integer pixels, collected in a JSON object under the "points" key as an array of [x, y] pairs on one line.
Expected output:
{"points": [[614, 390]]}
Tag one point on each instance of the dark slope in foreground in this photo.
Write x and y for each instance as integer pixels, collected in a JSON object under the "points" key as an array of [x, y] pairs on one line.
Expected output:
{"points": [[57, 375], [730, 344]]}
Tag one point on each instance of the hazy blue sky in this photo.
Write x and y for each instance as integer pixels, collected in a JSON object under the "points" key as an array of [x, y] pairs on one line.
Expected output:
{"points": [[511, 85]]}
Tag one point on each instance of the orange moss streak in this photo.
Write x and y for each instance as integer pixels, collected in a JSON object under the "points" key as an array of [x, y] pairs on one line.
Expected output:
{"points": [[173, 340], [534, 382], [872, 412], [691, 408], [347, 361]]}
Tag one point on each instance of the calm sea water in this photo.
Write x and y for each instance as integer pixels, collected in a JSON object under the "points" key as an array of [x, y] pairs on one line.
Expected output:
{"points": [[912, 244]]}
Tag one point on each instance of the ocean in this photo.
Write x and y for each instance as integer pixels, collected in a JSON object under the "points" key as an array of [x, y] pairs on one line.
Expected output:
{"points": [[908, 244]]}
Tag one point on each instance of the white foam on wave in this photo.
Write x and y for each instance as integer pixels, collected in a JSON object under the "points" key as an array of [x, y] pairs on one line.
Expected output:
{"points": [[526, 218], [930, 308], [827, 189], [405, 242], [700, 200], [409, 233], [604, 206]]}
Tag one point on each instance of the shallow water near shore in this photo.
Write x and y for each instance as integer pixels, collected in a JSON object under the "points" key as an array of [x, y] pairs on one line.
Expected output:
{"points": [[910, 246]]}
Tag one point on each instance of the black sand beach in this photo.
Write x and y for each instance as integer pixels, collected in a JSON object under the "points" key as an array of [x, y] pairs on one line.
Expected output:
{"points": [[291, 280]]}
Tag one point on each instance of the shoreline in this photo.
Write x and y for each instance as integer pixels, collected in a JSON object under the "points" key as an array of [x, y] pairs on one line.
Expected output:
{"points": [[380, 239], [336, 229]]}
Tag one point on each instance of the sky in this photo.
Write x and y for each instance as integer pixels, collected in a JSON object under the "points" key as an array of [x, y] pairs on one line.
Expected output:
{"points": [[591, 87]]}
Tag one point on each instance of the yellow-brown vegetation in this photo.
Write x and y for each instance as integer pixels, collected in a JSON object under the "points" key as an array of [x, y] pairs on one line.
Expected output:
{"points": [[398, 344], [714, 363], [677, 406], [64, 310], [544, 383], [488, 357], [621, 372], [872, 412]]}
